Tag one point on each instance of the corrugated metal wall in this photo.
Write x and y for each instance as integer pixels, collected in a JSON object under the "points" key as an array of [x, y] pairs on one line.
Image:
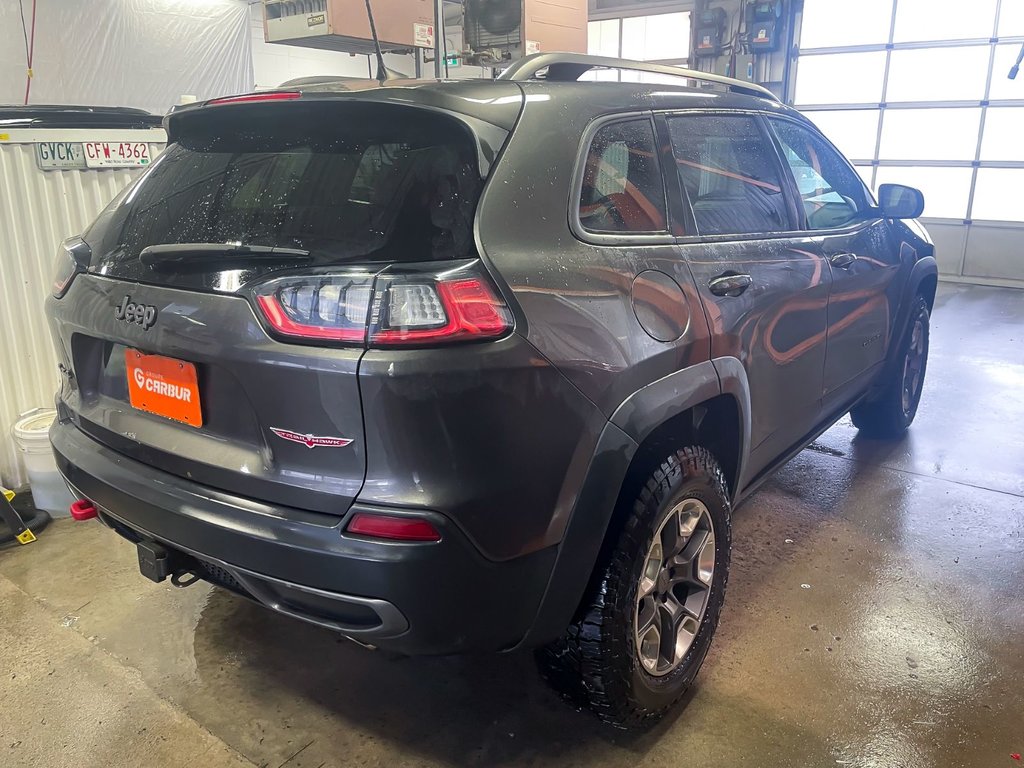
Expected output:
{"points": [[38, 209]]}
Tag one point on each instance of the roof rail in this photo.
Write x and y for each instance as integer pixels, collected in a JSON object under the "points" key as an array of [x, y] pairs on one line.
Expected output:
{"points": [[568, 67]]}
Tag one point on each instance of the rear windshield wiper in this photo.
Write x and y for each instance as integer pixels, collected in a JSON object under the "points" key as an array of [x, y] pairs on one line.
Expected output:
{"points": [[174, 257]]}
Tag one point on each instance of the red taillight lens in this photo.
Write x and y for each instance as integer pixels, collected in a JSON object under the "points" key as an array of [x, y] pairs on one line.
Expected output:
{"points": [[251, 97], [325, 308], [447, 310], [392, 527], [72, 257], [64, 271], [390, 310]]}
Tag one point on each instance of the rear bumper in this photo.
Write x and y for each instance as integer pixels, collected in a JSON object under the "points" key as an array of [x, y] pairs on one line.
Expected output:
{"points": [[417, 598]]}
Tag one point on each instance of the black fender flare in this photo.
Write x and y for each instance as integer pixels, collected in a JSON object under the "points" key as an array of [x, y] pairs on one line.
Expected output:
{"points": [[642, 412], [734, 382], [639, 415], [925, 267], [646, 409]]}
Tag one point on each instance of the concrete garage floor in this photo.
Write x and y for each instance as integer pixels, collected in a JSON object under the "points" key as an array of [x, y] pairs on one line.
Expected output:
{"points": [[905, 650]]}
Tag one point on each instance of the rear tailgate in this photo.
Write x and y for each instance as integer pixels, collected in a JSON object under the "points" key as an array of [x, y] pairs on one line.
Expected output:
{"points": [[248, 385], [357, 187]]}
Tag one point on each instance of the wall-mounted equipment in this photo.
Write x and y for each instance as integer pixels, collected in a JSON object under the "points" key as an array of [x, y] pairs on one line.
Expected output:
{"points": [[709, 31], [342, 25], [764, 26], [496, 32], [739, 66]]}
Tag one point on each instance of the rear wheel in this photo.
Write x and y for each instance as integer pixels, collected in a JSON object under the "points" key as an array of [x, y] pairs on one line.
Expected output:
{"points": [[647, 621], [891, 413]]}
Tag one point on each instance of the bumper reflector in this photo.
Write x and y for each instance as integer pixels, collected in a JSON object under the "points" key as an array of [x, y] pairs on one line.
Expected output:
{"points": [[392, 527]]}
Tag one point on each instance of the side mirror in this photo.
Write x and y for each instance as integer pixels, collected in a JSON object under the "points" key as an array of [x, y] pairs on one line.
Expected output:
{"points": [[896, 201]]}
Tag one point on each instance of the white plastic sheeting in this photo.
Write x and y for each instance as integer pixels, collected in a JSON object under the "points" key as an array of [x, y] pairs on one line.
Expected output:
{"points": [[127, 53], [38, 209]]}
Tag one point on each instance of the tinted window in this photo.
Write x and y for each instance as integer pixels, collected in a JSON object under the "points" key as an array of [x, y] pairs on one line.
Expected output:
{"points": [[832, 193], [352, 183], [622, 186], [729, 172]]}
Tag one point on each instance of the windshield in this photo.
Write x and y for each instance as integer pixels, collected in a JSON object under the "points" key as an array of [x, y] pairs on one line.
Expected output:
{"points": [[359, 183]]}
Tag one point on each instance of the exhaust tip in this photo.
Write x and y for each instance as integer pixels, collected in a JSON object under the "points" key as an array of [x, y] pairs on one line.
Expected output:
{"points": [[83, 509]]}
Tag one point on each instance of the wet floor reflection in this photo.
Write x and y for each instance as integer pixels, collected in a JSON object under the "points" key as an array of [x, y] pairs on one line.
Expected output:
{"points": [[874, 618]]}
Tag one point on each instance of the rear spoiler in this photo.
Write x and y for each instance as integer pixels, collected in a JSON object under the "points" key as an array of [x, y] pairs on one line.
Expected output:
{"points": [[490, 121]]}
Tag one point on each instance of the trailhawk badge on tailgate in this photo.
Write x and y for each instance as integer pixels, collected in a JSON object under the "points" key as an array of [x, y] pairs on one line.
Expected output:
{"points": [[311, 441]]}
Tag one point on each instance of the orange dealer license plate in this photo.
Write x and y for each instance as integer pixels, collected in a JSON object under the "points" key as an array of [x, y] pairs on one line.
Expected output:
{"points": [[164, 386]]}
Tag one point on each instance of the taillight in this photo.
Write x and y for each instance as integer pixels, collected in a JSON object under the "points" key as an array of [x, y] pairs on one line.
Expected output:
{"points": [[403, 309], [407, 313], [248, 98], [318, 308], [73, 256]]}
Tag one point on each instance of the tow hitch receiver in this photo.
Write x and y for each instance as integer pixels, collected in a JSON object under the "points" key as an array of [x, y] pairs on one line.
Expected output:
{"points": [[155, 561]]}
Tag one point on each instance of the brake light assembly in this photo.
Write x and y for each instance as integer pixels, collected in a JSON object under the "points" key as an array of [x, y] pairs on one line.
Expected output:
{"points": [[407, 307], [73, 257], [249, 98]]}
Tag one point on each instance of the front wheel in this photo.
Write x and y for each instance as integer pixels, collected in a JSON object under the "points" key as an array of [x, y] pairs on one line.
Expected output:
{"points": [[891, 413], [646, 624]]}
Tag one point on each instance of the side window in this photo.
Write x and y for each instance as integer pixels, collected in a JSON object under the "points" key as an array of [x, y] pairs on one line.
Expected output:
{"points": [[729, 172], [622, 186], [831, 191]]}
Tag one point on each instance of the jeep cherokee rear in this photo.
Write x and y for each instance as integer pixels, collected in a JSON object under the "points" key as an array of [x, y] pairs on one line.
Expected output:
{"points": [[453, 367]]}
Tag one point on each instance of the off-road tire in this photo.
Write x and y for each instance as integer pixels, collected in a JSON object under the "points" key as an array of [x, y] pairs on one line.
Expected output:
{"points": [[596, 665], [886, 416]]}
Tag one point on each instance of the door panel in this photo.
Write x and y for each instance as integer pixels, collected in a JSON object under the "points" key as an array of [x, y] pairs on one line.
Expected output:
{"points": [[776, 328], [861, 256], [861, 307], [764, 286]]}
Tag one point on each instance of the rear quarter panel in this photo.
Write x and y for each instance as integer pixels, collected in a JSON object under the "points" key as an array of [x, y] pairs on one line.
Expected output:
{"points": [[574, 299]]}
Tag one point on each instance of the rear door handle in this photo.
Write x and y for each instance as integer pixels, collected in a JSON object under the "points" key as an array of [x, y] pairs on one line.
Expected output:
{"points": [[730, 284], [842, 260]]}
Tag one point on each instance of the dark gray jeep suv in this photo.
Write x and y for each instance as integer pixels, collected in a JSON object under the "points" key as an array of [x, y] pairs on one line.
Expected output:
{"points": [[480, 366]]}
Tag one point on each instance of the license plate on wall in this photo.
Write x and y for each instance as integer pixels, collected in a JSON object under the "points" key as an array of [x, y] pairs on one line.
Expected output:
{"points": [[116, 154], [60, 155]]}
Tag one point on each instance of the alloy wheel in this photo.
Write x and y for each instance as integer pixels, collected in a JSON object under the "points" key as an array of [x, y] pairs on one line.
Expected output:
{"points": [[675, 587], [913, 368]]}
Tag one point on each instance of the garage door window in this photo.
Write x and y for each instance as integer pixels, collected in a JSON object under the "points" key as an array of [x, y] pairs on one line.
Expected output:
{"points": [[622, 188], [916, 93], [661, 37], [725, 165]]}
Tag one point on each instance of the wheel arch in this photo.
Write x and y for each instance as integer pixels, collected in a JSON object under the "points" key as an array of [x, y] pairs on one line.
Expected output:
{"points": [[927, 288], [695, 406], [923, 281], [706, 404]]}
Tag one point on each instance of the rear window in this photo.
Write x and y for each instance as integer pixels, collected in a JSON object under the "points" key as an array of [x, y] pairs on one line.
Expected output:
{"points": [[349, 183]]}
